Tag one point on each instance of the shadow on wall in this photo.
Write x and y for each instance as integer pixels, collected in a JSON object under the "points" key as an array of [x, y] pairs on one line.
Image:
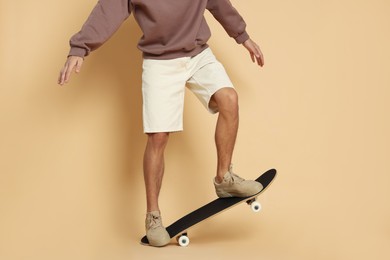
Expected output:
{"points": [[121, 62], [104, 103]]}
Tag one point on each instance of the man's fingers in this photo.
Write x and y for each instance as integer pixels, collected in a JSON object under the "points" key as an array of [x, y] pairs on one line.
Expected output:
{"points": [[255, 52], [252, 56], [259, 56], [61, 79], [78, 65], [72, 63], [70, 66], [68, 71], [260, 60]]}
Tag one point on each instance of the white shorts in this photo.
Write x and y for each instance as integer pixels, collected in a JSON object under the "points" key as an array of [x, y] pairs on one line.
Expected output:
{"points": [[163, 87]]}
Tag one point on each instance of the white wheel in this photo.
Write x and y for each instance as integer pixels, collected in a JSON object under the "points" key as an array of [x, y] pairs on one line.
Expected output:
{"points": [[255, 206], [183, 240]]}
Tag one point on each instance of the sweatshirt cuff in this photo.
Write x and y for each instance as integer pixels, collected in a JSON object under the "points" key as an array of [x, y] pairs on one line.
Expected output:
{"points": [[76, 51], [242, 37]]}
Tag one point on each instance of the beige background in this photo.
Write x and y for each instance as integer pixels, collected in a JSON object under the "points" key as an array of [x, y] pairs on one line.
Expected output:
{"points": [[71, 182]]}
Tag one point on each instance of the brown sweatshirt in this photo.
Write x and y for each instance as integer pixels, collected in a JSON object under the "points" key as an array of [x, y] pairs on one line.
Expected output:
{"points": [[171, 28]]}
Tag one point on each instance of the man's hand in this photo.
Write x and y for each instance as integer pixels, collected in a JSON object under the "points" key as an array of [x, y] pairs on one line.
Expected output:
{"points": [[72, 63], [255, 52]]}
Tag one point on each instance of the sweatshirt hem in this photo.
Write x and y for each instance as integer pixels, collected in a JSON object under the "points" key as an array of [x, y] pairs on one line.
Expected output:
{"points": [[174, 55]]}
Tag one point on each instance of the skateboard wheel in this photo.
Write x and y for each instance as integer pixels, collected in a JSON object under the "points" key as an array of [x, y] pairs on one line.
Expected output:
{"points": [[183, 240], [255, 206]]}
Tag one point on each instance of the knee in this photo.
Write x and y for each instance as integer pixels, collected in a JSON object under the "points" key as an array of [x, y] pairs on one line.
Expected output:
{"points": [[226, 100], [158, 140]]}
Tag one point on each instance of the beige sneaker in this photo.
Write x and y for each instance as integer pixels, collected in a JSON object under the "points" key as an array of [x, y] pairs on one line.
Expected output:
{"points": [[155, 232], [235, 186]]}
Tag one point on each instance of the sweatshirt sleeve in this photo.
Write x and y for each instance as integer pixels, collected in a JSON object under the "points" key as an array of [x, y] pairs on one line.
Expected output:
{"points": [[229, 18], [104, 20]]}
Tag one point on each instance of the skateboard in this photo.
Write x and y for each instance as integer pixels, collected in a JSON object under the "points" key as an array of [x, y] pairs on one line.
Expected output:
{"points": [[179, 228]]}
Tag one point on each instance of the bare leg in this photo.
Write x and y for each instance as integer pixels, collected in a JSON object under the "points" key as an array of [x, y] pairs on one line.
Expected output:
{"points": [[154, 168], [226, 100]]}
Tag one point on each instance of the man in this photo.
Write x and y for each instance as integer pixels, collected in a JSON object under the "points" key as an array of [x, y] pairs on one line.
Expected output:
{"points": [[176, 54]]}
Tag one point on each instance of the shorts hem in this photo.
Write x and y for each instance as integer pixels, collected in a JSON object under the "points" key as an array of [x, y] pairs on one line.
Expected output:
{"points": [[163, 131], [215, 110]]}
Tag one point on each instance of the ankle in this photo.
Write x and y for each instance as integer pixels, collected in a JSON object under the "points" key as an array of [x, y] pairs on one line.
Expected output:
{"points": [[218, 179], [221, 175], [153, 212], [152, 209]]}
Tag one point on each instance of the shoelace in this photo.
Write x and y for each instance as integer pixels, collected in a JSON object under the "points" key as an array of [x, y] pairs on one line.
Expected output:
{"points": [[235, 178], [154, 222]]}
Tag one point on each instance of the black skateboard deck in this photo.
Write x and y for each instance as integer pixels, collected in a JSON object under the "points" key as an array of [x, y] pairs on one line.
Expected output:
{"points": [[213, 208]]}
